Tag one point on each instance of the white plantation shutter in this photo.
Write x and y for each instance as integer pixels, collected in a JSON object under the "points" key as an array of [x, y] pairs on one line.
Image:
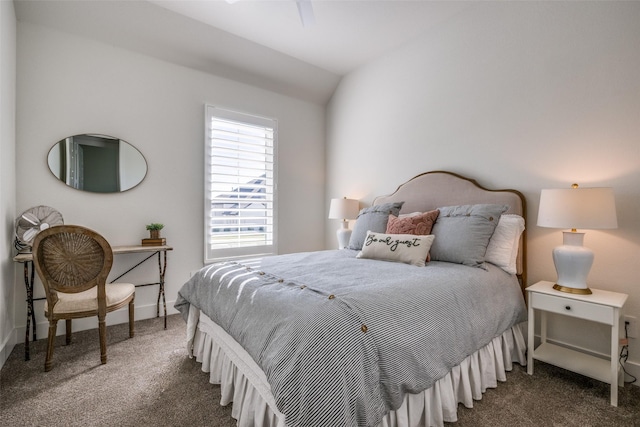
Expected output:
{"points": [[240, 183]]}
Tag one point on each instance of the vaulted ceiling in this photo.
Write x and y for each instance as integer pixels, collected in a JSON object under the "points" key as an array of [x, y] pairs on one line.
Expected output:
{"points": [[258, 42]]}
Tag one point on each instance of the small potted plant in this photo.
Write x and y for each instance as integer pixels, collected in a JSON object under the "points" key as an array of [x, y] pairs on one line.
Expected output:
{"points": [[154, 230]]}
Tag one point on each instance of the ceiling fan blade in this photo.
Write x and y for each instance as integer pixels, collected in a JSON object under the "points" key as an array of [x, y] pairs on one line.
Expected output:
{"points": [[305, 9]]}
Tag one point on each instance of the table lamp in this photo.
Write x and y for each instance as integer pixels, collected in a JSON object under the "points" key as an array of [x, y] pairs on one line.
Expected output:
{"points": [[584, 208], [344, 209]]}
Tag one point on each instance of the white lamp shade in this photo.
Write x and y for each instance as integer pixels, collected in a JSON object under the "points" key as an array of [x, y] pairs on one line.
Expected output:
{"points": [[585, 208], [344, 208]]}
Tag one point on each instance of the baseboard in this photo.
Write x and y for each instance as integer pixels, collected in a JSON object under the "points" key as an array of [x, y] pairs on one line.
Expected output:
{"points": [[632, 368], [7, 347], [147, 311]]}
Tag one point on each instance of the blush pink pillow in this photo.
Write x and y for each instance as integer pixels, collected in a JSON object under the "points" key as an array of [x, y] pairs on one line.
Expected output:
{"points": [[420, 224]]}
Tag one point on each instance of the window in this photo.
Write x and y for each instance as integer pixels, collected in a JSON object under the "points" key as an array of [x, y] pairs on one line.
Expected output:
{"points": [[240, 184]]}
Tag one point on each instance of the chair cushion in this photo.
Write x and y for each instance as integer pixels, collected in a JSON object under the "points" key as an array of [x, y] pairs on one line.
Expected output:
{"points": [[88, 300]]}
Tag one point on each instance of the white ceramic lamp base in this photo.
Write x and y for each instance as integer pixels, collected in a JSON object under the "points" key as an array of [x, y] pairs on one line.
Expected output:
{"points": [[573, 262], [343, 234]]}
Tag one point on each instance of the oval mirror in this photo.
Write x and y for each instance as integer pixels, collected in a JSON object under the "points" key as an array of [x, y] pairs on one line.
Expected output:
{"points": [[97, 163]]}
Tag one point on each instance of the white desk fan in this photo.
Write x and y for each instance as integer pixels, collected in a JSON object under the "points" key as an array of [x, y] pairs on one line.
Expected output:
{"points": [[31, 222]]}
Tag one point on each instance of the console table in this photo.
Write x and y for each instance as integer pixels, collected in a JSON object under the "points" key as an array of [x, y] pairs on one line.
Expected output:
{"points": [[160, 251]]}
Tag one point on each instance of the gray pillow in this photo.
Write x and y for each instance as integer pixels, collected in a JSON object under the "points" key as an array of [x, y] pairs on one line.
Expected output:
{"points": [[463, 233], [373, 219]]}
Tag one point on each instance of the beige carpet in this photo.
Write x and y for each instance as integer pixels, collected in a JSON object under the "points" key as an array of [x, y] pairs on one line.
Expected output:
{"points": [[149, 381]]}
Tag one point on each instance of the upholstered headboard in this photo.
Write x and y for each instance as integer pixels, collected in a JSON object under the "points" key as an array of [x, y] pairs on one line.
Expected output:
{"points": [[431, 190]]}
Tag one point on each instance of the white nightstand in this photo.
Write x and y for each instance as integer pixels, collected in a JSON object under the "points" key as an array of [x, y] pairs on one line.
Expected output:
{"points": [[602, 307]]}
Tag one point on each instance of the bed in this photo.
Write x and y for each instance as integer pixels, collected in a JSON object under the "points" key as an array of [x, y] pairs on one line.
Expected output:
{"points": [[346, 337]]}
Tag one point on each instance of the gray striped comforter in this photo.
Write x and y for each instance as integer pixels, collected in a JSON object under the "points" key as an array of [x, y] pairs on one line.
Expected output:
{"points": [[341, 339]]}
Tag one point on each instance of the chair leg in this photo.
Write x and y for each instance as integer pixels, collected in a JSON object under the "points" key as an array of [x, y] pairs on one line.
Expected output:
{"points": [[68, 329], [53, 324], [131, 313], [103, 340]]}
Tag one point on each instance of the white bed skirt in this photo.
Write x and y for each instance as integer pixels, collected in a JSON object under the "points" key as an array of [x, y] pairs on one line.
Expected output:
{"points": [[245, 384]]}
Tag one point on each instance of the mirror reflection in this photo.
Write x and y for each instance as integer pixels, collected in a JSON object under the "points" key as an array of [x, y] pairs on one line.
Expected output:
{"points": [[97, 163]]}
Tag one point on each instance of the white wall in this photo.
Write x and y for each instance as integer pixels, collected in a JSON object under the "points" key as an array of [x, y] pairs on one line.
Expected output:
{"points": [[7, 175], [69, 85], [524, 95]]}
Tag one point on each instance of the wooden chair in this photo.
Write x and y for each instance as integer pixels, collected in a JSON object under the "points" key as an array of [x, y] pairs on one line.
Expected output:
{"points": [[73, 263]]}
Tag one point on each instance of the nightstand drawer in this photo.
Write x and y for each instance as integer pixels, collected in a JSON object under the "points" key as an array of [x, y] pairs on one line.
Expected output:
{"points": [[581, 309]]}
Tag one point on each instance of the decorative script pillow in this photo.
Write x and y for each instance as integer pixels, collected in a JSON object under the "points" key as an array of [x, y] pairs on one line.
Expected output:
{"points": [[407, 248], [373, 218], [503, 245], [463, 233]]}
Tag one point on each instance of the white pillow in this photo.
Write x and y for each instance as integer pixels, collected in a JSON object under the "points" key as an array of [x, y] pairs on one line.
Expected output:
{"points": [[410, 214], [502, 250], [406, 248]]}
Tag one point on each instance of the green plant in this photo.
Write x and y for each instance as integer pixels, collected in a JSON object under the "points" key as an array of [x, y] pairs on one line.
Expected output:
{"points": [[155, 226]]}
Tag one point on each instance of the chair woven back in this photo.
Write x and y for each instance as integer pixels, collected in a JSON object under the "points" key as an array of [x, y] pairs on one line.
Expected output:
{"points": [[71, 258]]}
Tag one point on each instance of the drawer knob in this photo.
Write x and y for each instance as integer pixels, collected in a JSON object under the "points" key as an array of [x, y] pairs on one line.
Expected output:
{"points": [[568, 307]]}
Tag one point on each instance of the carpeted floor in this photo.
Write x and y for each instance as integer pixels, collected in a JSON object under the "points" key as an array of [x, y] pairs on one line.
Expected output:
{"points": [[150, 381]]}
